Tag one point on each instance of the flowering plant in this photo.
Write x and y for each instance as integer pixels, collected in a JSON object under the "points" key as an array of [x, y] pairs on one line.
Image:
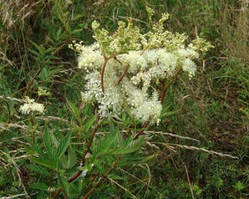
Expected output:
{"points": [[124, 70], [31, 106], [124, 73]]}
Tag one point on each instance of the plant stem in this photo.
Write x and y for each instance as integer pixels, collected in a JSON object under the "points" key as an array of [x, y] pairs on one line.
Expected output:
{"points": [[123, 74], [165, 89], [102, 73], [83, 158], [142, 130], [31, 81], [101, 179]]}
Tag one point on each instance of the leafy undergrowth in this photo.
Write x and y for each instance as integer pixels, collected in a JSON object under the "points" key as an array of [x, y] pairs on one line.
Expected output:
{"points": [[177, 159]]}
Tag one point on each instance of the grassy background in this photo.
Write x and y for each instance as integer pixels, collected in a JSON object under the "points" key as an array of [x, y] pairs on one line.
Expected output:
{"points": [[212, 107]]}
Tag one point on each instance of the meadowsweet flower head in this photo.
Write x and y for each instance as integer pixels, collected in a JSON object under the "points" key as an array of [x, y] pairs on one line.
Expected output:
{"points": [[31, 106], [134, 63]]}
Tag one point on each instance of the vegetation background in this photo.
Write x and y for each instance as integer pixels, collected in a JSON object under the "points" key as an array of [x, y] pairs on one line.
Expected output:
{"points": [[211, 108]]}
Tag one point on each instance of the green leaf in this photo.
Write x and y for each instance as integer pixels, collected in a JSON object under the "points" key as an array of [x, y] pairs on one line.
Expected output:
{"points": [[169, 113], [46, 163], [89, 124], [65, 185], [54, 140], [48, 143], [39, 186], [71, 158], [74, 110], [63, 145], [239, 186]]}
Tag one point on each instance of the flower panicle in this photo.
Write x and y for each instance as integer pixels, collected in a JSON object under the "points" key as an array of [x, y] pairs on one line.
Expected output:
{"points": [[146, 59]]}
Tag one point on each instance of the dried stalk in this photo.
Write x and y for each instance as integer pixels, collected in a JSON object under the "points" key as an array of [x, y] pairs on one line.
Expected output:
{"points": [[194, 148], [190, 184], [171, 135], [12, 99]]}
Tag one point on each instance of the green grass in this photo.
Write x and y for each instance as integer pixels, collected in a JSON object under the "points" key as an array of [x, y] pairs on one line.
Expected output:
{"points": [[212, 107]]}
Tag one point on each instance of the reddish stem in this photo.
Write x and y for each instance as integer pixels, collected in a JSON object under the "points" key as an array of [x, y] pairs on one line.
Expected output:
{"points": [[102, 73], [123, 75], [83, 158], [101, 179], [142, 130], [31, 81], [165, 89]]}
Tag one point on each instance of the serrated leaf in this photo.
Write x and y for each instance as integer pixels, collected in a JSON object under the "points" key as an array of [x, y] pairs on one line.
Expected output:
{"points": [[65, 185], [63, 145], [39, 170], [46, 163], [39, 186], [89, 124], [54, 140], [71, 158], [169, 113], [74, 110], [48, 143]]}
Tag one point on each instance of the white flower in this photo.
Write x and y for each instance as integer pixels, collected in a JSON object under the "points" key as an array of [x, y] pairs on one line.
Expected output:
{"points": [[167, 62], [31, 106], [150, 109], [90, 57], [187, 52], [134, 59], [133, 92], [92, 87], [189, 66]]}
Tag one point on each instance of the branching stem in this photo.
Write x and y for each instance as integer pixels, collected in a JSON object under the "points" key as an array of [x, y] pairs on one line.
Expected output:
{"points": [[142, 130], [123, 74], [101, 179], [83, 158]]}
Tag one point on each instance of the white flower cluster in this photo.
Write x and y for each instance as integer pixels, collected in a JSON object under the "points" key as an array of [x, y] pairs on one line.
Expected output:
{"points": [[136, 92], [31, 106], [124, 69]]}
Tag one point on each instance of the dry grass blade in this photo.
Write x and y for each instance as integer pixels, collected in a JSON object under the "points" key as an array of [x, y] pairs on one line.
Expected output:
{"points": [[49, 118], [120, 186], [171, 135], [11, 99], [13, 196], [6, 126], [194, 148], [190, 184]]}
